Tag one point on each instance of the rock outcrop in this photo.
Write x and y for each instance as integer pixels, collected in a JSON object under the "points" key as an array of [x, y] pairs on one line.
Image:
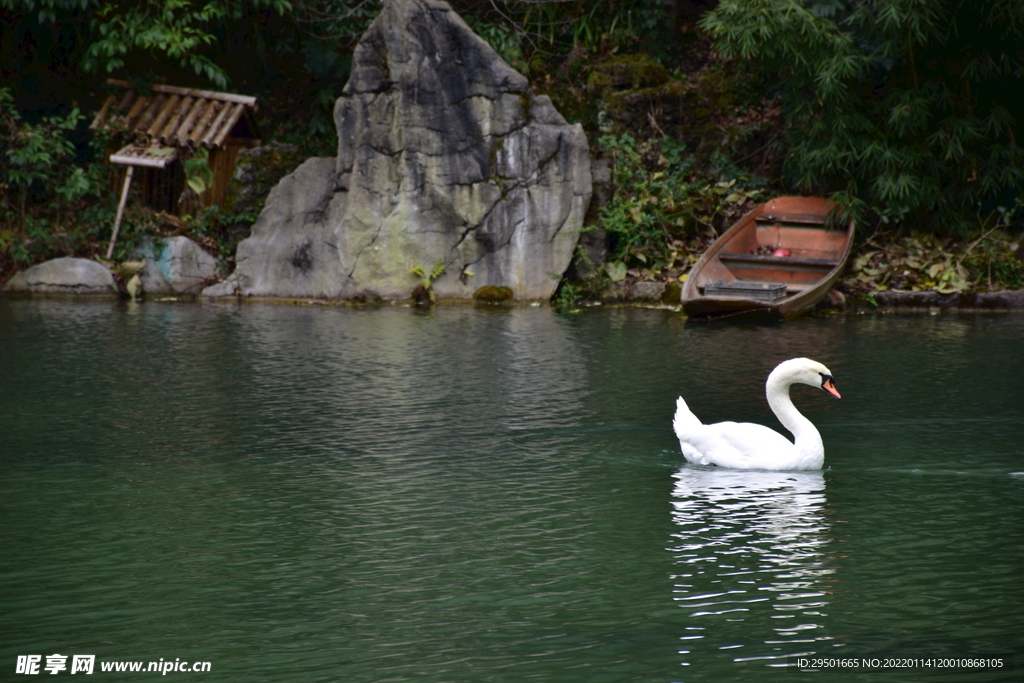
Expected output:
{"points": [[64, 276], [444, 154]]}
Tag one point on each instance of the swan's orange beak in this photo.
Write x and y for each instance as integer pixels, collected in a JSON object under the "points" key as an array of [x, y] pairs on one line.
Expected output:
{"points": [[830, 386]]}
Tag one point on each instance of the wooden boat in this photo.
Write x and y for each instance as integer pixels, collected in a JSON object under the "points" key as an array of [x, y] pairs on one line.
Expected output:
{"points": [[777, 262]]}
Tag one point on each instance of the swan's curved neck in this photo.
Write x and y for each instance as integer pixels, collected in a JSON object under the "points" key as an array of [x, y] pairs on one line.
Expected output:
{"points": [[805, 434]]}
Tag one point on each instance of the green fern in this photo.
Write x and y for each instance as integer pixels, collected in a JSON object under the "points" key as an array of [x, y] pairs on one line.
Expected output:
{"points": [[427, 279]]}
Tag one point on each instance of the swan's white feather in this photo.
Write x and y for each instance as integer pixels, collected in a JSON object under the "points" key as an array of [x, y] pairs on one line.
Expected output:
{"points": [[743, 445], [737, 445]]}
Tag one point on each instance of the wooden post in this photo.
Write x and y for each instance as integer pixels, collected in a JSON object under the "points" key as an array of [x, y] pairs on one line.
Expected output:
{"points": [[120, 210]]}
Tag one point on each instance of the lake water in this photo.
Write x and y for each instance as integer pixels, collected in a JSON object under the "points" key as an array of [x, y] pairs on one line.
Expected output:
{"points": [[297, 493]]}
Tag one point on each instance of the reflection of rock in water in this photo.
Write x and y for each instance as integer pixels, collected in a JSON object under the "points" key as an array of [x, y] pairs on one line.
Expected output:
{"points": [[749, 557], [544, 380]]}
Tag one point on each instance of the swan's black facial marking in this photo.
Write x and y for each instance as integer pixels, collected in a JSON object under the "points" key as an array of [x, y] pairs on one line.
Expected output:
{"points": [[829, 384]]}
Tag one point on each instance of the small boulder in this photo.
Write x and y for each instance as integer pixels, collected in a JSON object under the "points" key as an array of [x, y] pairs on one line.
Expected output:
{"points": [[64, 276], [176, 265]]}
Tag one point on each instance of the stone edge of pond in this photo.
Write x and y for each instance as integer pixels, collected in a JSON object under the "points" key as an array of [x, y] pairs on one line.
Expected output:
{"points": [[362, 302], [929, 300], [660, 293], [60, 295], [636, 295]]}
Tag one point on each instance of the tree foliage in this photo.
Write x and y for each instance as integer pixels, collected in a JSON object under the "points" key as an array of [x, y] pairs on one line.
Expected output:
{"points": [[907, 109], [521, 30], [42, 194], [109, 35], [34, 158]]}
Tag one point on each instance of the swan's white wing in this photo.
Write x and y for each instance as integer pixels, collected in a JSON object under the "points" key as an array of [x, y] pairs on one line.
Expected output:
{"points": [[739, 445]]}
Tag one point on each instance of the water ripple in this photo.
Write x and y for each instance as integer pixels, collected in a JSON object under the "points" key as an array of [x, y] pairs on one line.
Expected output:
{"points": [[744, 534], [464, 494]]}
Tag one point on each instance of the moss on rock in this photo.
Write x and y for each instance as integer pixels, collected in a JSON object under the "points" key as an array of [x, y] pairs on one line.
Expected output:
{"points": [[672, 294], [626, 72], [492, 294]]}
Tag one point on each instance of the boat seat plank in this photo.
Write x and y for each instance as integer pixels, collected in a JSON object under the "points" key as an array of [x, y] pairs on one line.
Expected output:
{"points": [[791, 287], [768, 259], [798, 218]]}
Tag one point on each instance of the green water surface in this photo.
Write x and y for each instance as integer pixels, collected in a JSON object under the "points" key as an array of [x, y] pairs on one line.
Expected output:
{"points": [[326, 494]]}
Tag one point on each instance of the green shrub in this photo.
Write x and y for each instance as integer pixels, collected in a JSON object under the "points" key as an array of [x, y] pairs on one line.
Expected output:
{"points": [[661, 200], [903, 110], [47, 201]]}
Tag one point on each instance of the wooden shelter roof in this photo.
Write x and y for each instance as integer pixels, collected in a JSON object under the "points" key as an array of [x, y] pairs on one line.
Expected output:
{"points": [[178, 117]]}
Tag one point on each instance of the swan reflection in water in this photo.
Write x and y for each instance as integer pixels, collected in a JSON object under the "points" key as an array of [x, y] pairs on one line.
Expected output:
{"points": [[749, 557]]}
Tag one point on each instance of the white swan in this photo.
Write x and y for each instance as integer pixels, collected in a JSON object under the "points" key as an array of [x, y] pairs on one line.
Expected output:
{"points": [[746, 446]]}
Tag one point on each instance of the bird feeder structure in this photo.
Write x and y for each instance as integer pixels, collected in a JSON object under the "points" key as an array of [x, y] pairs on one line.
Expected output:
{"points": [[169, 125]]}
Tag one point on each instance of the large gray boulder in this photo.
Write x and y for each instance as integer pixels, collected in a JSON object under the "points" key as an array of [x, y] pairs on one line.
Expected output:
{"points": [[444, 154], [66, 276]]}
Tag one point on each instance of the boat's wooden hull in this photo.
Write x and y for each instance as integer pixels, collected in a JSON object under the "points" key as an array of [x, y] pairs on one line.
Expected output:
{"points": [[782, 241]]}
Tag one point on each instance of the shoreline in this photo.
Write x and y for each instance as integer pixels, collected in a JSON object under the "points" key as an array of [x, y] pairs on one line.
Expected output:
{"points": [[634, 295], [656, 292]]}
